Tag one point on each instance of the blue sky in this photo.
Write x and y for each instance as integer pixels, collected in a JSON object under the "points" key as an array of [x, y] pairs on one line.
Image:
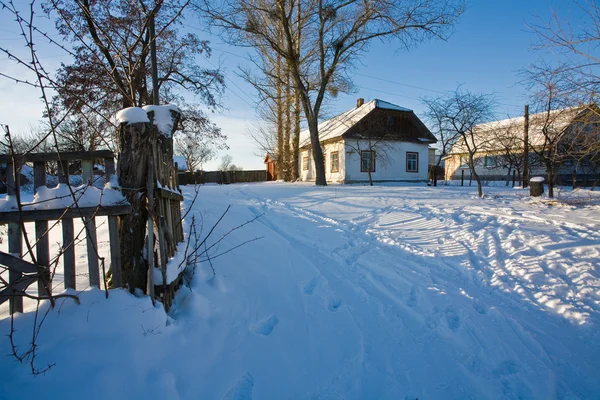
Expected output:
{"points": [[490, 46]]}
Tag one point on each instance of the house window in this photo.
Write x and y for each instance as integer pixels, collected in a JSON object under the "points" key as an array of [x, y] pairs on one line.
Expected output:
{"points": [[367, 161], [488, 161], [464, 162], [305, 163], [333, 159], [412, 162]]}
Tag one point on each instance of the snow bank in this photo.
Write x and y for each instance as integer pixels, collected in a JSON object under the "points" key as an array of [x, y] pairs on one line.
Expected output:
{"points": [[175, 266], [354, 292], [537, 179]]}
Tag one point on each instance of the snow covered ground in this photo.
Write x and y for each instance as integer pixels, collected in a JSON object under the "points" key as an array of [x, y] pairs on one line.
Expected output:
{"points": [[353, 292]]}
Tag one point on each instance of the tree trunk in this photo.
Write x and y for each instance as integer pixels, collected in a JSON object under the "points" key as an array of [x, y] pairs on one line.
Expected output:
{"points": [[279, 118], [320, 179], [135, 143], [296, 140], [550, 173], [474, 174], [288, 128]]}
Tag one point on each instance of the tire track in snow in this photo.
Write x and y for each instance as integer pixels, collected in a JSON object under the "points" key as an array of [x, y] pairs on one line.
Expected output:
{"points": [[393, 290]]}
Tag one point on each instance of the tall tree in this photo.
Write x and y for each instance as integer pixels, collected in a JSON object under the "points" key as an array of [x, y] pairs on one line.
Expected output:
{"points": [[111, 68], [461, 112], [335, 34]]}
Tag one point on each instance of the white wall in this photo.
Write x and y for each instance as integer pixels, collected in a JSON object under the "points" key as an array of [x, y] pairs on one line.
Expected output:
{"points": [[327, 150], [389, 167]]}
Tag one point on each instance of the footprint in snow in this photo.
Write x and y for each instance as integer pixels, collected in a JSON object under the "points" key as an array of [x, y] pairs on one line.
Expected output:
{"points": [[309, 288], [479, 307], [242, 390], [334, 304], [413, 297], [266, 327], [453, 320]]}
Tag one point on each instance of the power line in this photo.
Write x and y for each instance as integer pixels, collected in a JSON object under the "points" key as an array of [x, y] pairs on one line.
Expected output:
{"points": [[400, 83]]}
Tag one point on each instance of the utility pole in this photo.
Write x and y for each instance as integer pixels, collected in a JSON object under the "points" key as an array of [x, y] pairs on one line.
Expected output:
{"points": [[526, 148]]}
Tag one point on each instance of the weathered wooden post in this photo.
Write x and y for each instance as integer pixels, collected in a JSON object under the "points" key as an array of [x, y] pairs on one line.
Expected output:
{"points": [[462, 177], [15, 235], [536, 186], [68, 230], [136, 140], [42, 248]]}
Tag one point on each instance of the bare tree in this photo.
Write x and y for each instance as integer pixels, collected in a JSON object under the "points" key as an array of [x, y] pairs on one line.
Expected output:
{"points": [[334, 35], [579, 61], [198, 139], [445, 135], [225, 162], [509, 149], [461, 112]]}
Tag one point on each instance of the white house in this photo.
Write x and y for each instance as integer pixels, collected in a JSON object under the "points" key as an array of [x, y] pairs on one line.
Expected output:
{"points": [[500, 144], [382, 138]]}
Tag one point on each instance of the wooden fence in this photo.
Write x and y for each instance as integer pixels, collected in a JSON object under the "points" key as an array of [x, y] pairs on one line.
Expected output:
{"points": [[141, 242], [222, 177], [22, 273]]}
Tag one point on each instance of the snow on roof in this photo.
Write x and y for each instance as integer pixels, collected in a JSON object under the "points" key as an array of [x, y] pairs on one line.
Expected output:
{"points": [[337, 126], [132, 115], [181, 163], [162, 117], [489, 135]]}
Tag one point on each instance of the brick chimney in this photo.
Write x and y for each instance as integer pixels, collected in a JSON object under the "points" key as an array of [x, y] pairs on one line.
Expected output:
{"points": [[360, 102]]}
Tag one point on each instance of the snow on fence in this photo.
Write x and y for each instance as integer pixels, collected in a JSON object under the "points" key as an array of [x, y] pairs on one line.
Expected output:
{"points": [[63, 203], [143, 208]]}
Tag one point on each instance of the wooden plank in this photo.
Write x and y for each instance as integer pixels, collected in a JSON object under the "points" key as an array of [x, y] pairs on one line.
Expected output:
{"points": [[39, 174], [68, 247], [65, 155], [42, 254], [92, 252], [19, 286], [54, 215], [15, 247], [167, 194], [169, 226], [109, 168], [87, 171], [15, 236], [17, 264], [115, 251], [63, 171], [150, 231], [42, 247]]}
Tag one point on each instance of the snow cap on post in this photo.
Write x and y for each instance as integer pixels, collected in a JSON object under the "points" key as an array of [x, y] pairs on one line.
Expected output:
{"points": [[164, 118], [131, 115]]}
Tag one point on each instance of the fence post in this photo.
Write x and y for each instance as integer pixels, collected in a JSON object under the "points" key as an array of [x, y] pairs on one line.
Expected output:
{"points": [[90, 227], [135, 141], [68, 246], [42, 247], [113, 232], [462, 177], [514, 177], [15, 244]]}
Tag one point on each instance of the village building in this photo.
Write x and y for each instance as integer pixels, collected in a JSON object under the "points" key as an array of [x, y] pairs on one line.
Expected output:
{"points": [[376, 140], [500, 146]]}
